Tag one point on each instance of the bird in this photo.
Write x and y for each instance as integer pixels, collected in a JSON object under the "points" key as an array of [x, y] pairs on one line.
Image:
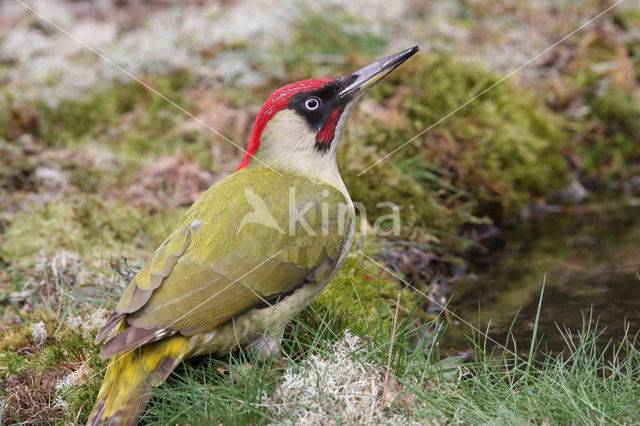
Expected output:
{"points": [[249, 254]]}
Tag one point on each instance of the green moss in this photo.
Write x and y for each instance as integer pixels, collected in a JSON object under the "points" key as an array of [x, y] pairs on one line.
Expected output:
{"points": [[47, 358], [365, 296], [12, 339], [610, 151], [46, 229], [12, 363], [619, 110], [89, 180], [81, 397], [384, 184], [607, 129], [102, 110], [158, 226], [88, 225], [68, 347], [82, 224], [491, 156], [151, 137], [627, 18], [127, 119], [107, 134]]}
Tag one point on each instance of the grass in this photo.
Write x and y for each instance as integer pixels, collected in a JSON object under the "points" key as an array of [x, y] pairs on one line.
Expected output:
{"points": [[591, 382], [389, 372]]}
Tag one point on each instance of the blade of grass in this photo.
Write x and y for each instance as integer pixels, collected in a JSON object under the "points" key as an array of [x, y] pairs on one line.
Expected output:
{"points": [[535, 327]]}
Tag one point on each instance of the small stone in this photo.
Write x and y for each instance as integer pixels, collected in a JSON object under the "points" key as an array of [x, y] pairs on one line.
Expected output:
{"points": [[51, 179], [574, 193]]}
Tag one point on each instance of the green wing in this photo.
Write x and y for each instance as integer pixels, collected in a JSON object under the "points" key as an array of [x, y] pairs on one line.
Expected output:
{"points": [[252, 237]]}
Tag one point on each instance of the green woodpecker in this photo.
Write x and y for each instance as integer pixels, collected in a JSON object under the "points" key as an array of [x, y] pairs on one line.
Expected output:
{"points": [[250, 253]]}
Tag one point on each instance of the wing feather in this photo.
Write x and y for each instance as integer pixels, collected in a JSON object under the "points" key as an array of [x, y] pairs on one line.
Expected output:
{"points": [[216, 266]]}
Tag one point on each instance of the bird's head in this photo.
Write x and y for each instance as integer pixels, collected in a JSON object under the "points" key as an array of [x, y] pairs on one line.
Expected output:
{"points": [[299, 126]]}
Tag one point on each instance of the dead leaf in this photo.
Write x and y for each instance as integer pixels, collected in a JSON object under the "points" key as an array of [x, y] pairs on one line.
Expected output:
{"points": [[170, 181]]}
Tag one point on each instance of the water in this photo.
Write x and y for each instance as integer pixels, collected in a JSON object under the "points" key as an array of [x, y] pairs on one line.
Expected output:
{"points": [[591, 258]]}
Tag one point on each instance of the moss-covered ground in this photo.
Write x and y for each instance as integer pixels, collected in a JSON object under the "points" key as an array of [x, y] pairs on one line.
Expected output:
{"points": [[92, 179]]}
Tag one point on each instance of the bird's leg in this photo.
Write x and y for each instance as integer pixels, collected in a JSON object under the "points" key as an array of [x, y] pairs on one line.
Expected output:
{"points": [[267, 346]]}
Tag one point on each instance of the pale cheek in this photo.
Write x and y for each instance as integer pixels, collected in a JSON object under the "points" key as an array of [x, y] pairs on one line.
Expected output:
{"points": [[287, 131]]}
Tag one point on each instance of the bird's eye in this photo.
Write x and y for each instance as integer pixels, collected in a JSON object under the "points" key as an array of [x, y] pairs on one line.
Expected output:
{"points": [[312, 103]]}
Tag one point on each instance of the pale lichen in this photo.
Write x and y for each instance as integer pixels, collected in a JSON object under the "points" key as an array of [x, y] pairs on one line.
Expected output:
{"points": [[334, 387], [38, 333], [88, 322], [73, 378]]}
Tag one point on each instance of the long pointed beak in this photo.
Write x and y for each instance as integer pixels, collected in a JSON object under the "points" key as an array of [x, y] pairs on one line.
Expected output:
{"points": [[368, 76]]}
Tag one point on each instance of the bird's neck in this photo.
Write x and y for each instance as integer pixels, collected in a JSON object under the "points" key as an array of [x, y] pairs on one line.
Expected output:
{"points": [[321, 172]]}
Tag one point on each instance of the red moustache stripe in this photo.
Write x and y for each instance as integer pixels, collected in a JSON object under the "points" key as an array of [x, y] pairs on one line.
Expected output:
{"points": [[325, 135]]}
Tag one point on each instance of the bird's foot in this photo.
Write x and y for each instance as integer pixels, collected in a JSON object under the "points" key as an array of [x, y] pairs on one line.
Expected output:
{"points": [[266, 346]]}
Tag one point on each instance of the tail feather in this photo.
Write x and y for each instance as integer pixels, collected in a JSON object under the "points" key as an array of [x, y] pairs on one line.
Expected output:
{"points": [[131, 377]]}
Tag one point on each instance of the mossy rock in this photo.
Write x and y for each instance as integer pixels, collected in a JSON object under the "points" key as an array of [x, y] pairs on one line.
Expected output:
{"points": [[609, 152], [88, 225], [504, 147], [365, 296], [604, 102]]}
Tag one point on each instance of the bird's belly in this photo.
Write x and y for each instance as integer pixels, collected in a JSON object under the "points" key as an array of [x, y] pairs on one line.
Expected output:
{"points": [[255, 324]]}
